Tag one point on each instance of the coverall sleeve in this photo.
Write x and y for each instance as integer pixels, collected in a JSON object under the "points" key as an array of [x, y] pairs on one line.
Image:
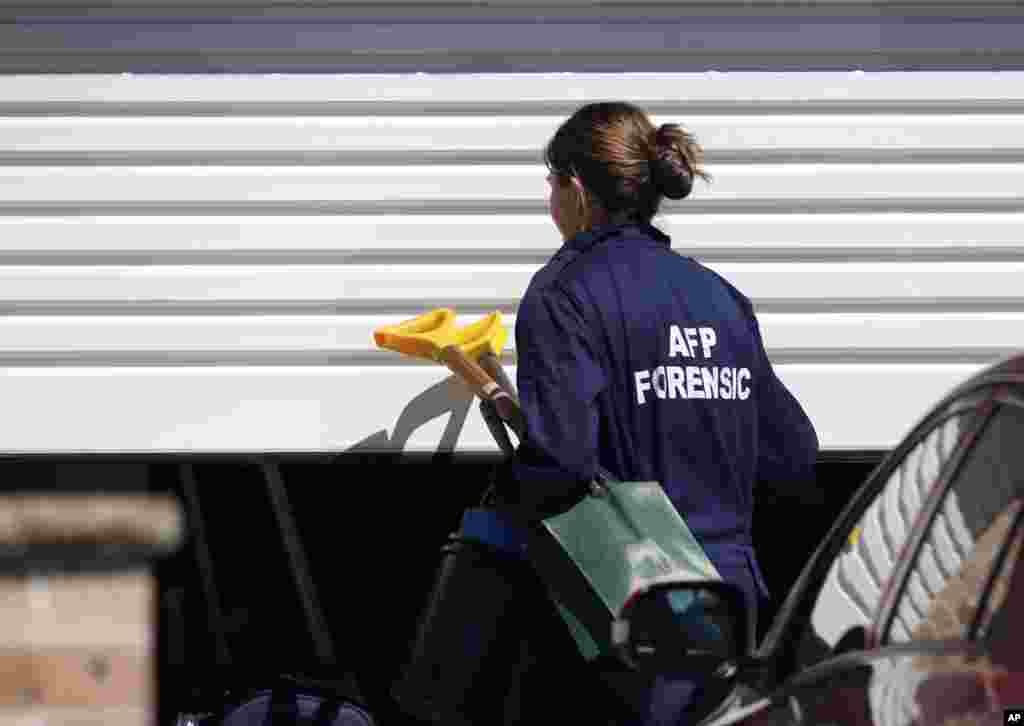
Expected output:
{"points": [[559, 378], [788, 443]]}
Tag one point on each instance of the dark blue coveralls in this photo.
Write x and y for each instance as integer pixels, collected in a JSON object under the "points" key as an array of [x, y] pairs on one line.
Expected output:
{"points": [[644, 362]]}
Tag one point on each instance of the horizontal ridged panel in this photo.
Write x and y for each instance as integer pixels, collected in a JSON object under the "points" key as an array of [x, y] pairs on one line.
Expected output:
{"points": [[344, 408], [808, 285], [748, 90], [205, 258], [837, 336], [202, 187], [447, 238], [519, 136]]}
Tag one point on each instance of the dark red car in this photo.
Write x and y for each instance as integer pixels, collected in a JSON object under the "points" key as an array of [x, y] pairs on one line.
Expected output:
{"points": [[910, 613]]}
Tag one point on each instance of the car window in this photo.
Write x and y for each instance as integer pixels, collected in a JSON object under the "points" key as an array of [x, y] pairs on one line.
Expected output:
{"points": [[852, 590], [939, 682], [954, 562], [1002, 603]]}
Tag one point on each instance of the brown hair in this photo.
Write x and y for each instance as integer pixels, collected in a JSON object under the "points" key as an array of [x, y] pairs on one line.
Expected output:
{"points": [[623, 160]]}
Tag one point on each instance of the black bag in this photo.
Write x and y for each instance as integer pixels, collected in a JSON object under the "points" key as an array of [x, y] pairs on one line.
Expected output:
{"points": [[292, 701]]}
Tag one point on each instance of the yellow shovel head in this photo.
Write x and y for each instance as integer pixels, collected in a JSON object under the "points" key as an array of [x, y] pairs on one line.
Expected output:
{"points": [[426, 335], [420, 337], [486, 335]]}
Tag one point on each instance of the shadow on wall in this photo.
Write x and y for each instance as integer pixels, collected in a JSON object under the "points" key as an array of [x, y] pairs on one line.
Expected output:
{"points": [[450, 396]]}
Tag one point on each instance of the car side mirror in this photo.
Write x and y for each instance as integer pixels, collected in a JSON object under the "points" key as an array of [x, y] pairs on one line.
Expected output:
{"points": [[699, 628]]}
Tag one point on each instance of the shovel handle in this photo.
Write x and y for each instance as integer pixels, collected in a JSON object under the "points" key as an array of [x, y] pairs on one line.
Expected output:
{"points": [[496, 427], [483, 385], [471, 372], [492, 365]]}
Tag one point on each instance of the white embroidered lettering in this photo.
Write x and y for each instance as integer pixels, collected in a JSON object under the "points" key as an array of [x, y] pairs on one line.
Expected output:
{"points": [[676, 344], [676, 382], [694, 383], [708, 339], [658, 379], [743, 392], [710, 376], [642, 385], [725, 384]]}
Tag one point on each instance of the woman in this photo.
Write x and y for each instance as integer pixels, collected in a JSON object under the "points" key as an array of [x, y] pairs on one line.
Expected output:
{"points": [[642, 361]]}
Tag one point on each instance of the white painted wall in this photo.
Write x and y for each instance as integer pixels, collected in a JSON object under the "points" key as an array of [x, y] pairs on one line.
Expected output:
{"points": [[198, 263]]}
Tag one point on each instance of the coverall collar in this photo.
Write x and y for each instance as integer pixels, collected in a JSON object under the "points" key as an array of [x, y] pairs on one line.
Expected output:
{"points": [[587, 239]]}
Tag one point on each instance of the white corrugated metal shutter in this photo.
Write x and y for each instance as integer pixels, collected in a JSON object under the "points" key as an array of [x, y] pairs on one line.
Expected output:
{"points": [[197, 262]]}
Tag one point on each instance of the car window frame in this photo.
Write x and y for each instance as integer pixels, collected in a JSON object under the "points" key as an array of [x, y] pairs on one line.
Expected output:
{"points": [[972, 400], [879, 633]]}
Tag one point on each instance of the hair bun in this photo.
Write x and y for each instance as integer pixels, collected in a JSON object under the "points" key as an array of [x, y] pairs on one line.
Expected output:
{"points": [[669, 170]]}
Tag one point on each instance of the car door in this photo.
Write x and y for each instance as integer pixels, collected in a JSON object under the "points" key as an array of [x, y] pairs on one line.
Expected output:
{"points": [[935, 589], [962, 662], [908, 530], [837, 596]]}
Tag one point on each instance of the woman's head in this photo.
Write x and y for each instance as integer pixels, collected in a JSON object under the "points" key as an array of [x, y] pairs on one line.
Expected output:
{"points": [[608, 162]]}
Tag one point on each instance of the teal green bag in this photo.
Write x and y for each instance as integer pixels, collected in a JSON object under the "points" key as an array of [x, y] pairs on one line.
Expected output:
{"points": [[622, 536]]}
